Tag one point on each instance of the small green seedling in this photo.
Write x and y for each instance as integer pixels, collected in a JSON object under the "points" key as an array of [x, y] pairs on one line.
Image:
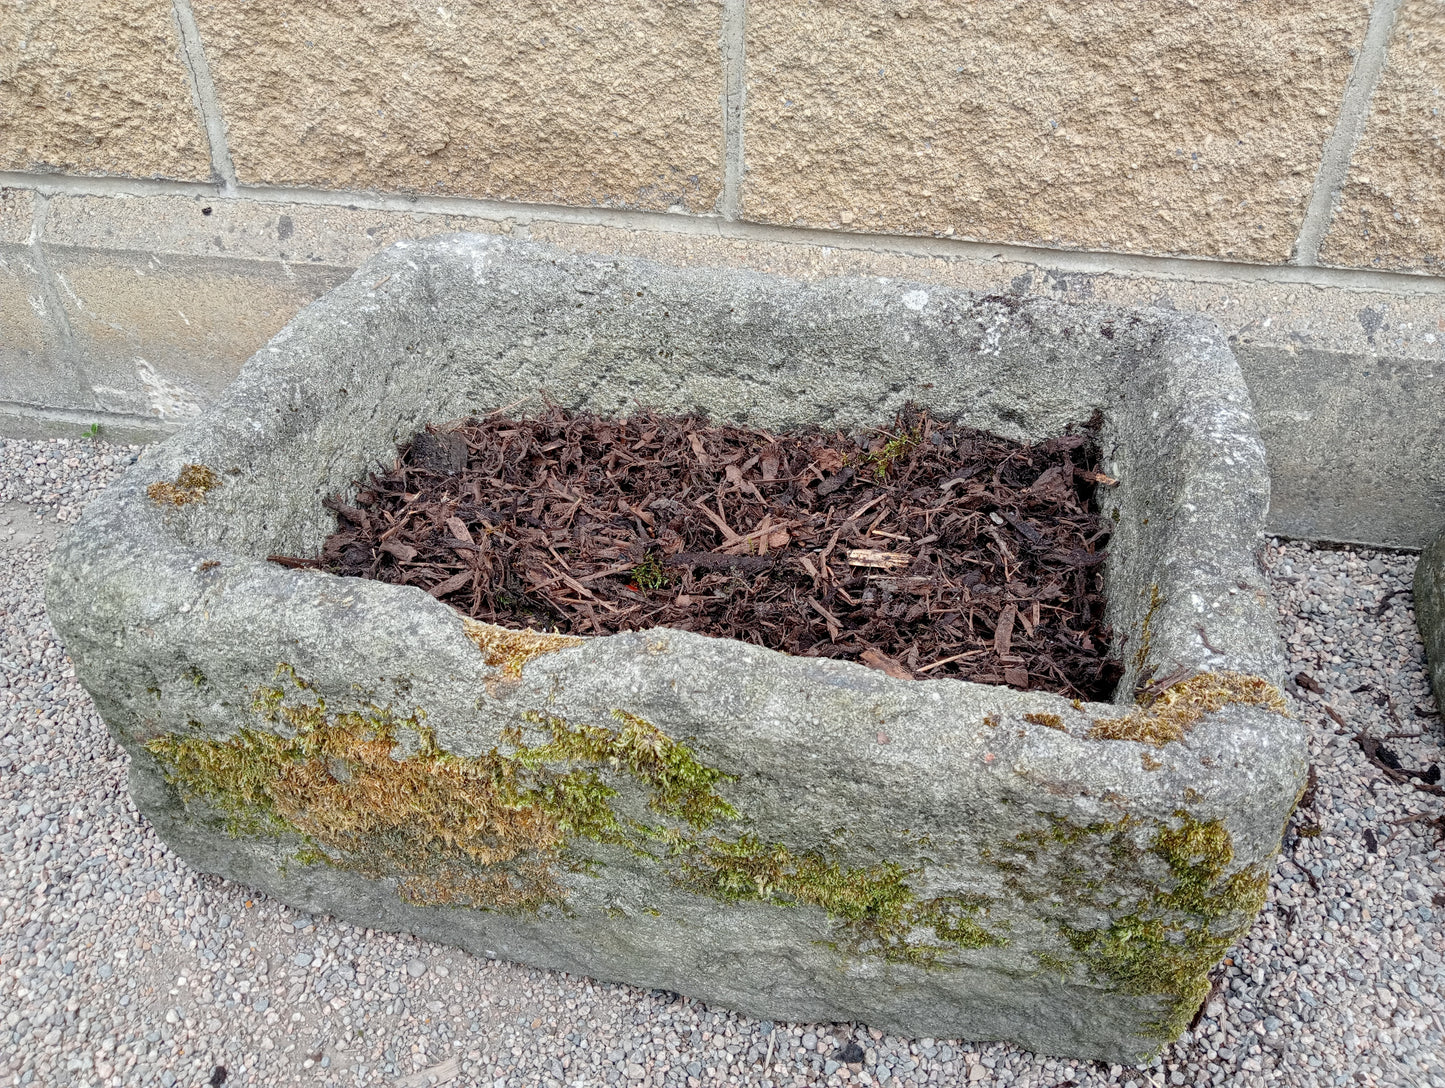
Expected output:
{"points": [[649, 573]]}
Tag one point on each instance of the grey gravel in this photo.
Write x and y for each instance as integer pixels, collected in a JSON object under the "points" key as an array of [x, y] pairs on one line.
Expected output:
{"points": [[119, 966]]}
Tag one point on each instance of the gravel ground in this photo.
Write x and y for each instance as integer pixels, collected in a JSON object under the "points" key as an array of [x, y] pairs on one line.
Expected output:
{"points": [[121, 966]]}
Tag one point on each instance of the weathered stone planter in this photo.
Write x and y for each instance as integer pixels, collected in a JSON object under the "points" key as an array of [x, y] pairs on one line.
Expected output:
{"points": [[796, 838], [1429, 597]]}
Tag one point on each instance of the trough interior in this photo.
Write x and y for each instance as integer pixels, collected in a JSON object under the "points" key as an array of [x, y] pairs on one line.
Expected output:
{"points": [[612, 337]]}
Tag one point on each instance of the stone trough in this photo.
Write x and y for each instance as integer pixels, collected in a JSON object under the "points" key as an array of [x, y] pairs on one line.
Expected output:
{"points": [[795, 838]]}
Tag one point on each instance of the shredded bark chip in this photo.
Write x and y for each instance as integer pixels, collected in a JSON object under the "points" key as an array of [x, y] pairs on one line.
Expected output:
{"points": [[922, 548]]}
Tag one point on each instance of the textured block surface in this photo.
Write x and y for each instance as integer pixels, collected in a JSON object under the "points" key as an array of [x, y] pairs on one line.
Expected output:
{"points": [[1146, 126], [1391, 213], [613, 104], [97, 88], [797, 838]]}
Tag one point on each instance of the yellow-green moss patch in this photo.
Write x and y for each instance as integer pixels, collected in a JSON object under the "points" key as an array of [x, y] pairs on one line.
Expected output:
{"points": [[1176, 710], [1169, 923], [484, 830], [680, 785], [649, 574], [1052, 721], [877, 909], [488, 830], [191, 485], [1167, 945], [508, 650], [897, 446]]}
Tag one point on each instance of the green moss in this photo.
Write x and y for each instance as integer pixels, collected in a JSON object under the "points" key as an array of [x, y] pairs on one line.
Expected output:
{"points": [[1033, 842], [1176, 932], [883, 458], [679, 784], [483, 830], [875, 906], [954, 919], [372, 791], [649, 574], [1056, 965]]}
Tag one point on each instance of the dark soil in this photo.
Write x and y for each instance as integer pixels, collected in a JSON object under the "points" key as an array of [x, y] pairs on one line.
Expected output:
{"points": [[924, 549]]}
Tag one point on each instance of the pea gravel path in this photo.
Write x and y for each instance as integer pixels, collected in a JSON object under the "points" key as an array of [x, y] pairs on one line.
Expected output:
{"points": [[120, 966]]}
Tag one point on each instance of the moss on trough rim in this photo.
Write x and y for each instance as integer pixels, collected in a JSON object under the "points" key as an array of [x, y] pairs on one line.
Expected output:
{"points": [[192, 483], [1176, 710], [510, 650], [494, 831]]}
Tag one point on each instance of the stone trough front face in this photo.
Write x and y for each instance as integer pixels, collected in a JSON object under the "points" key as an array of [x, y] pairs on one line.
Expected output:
{"points": [[795, 838]]}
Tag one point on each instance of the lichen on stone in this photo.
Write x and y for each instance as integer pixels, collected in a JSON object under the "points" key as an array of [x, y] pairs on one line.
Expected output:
{"points": [[191, 485], [509, 650], [1171, 714]]}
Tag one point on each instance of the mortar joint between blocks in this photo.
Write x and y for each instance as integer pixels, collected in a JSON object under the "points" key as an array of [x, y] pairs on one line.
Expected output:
{"points": [[1339, 148], [203, 90]]}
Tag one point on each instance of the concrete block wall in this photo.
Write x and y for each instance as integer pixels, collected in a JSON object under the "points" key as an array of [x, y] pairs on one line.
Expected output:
{"points": [[179, 177]]}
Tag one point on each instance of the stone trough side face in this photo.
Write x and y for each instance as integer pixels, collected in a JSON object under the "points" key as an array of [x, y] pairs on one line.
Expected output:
{"points": [[795, 838]]}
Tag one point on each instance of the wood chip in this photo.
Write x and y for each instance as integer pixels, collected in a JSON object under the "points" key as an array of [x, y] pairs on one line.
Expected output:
{"points": [[868, 557], [588, 526], [1004, 632], [403, 553], [874, 659], [451, 585], [460, 531]]}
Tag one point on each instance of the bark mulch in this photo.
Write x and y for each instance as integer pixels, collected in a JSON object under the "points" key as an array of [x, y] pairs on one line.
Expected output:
{"points": [[923, 549]]}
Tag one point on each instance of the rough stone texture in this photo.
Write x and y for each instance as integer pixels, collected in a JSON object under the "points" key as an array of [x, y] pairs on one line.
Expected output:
{"points": [[97, 88], [1391, 212], [174, 620], [1148, 126], [614, 104], [17, 216], [1430, 607]]}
